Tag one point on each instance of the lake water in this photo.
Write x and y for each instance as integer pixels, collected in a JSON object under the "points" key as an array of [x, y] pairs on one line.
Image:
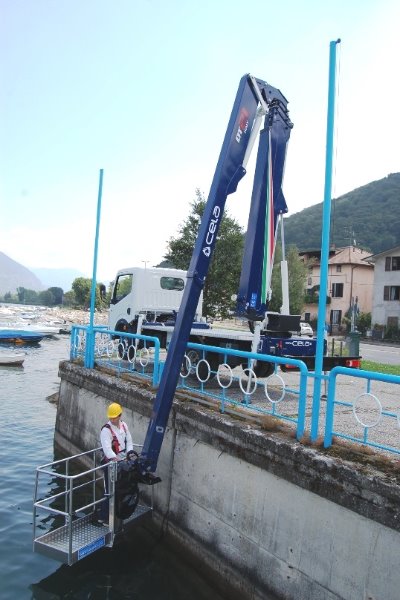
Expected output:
{"points": [[143, 569]]}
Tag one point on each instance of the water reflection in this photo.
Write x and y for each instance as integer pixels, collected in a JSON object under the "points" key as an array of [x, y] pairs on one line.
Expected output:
{"points": [[141, 568]]}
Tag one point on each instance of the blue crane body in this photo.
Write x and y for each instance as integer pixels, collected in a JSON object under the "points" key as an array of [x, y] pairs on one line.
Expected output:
{"points": [[255, 99]]}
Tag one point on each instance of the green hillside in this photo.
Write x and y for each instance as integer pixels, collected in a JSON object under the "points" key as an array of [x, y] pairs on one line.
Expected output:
{"points": [[370, 215]]}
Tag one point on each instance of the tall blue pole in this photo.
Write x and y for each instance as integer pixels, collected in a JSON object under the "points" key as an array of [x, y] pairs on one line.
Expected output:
{"points": [[89, 355], [326, 220]]}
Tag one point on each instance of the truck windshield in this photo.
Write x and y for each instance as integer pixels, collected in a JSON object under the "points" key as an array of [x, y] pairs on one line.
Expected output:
{"points": [[122, 287], [172, 283]]}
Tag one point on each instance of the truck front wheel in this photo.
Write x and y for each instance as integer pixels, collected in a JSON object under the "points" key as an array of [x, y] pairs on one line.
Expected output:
{"points": [[263, 368], [196, 359]]}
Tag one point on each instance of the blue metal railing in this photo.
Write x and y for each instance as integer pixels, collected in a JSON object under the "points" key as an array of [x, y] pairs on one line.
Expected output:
{"points": [[368, 411], [242, 388], [228, 377], [121, 352]]}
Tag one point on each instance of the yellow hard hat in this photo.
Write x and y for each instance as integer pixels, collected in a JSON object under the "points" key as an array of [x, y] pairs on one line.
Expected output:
{"points": [[114, 410]]}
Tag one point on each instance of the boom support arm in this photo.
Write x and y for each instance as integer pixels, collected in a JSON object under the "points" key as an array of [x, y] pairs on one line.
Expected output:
{"points": [[253, 99], [267, 205]]}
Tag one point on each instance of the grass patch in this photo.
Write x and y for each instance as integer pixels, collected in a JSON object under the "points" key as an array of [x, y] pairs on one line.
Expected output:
{"points": [[368, 365]]}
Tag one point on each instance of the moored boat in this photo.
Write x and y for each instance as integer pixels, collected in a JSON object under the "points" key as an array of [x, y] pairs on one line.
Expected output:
{"points": [[20, 336], [12, 359]]}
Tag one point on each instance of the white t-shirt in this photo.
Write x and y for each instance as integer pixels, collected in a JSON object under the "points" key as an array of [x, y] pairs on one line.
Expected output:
{"points": [[123, 436]]}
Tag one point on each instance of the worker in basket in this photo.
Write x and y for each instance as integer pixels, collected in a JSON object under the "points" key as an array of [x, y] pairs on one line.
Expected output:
{"points": [[116, 443]]}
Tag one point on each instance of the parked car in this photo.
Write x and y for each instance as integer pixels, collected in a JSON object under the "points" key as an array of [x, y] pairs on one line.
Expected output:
{"points": [[305, 329]]}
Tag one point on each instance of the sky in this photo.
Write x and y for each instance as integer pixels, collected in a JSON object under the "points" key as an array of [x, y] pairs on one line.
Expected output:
{"points": [[144, 90]]}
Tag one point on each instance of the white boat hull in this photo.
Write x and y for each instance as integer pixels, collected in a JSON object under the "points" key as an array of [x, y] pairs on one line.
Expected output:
{"points": [[14, 359]]}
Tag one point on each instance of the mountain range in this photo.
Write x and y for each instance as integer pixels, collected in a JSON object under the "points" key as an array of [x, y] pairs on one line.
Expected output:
{"points": [[62, 278], [367, 217], [14, 275]]}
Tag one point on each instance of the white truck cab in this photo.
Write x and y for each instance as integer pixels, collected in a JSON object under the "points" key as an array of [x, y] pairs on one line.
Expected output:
{"points": [[147, 294]]}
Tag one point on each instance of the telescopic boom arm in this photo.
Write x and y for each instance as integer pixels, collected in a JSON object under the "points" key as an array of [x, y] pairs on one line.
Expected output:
{"points": [[254, 100]]}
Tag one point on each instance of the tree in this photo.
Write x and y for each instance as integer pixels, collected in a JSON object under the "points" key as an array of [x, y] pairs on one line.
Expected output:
{"points": [[58, 294], [82, 289], [69, 298], [297, 276], [46, 298], [222, 280], [26, 296], [8, 297], [21, 294], [31, 297]]}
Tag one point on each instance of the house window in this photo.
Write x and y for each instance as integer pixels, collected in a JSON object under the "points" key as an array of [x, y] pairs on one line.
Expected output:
{"points": [[393, 322], [395, 263], [307, 317], [391, 292], [338, 268], [309, 281], [336, 317], [337, 290], [392, 263]]}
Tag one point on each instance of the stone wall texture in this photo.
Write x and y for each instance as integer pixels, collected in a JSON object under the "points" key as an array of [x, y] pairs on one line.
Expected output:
{"points": [[264, 515]]}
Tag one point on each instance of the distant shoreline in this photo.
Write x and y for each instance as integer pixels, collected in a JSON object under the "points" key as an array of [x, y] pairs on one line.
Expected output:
{"points": [[50, 315]]}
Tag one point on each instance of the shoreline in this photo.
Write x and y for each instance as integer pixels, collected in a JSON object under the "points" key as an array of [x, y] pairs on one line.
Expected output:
{"points": [[23, 314]]}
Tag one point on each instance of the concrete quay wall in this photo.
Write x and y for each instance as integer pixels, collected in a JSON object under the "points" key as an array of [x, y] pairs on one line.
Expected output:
{"points": [[262, 514]]}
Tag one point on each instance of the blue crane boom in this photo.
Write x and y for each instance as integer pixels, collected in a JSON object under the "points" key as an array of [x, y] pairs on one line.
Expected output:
{"points": [[255, 100]]}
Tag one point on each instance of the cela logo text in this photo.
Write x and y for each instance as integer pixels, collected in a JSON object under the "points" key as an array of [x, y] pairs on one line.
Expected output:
{"points": [[299, 343], [212, 228]]}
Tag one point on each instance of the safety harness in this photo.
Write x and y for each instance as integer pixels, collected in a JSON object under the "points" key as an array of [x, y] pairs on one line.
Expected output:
{"points": [[115, 443]]}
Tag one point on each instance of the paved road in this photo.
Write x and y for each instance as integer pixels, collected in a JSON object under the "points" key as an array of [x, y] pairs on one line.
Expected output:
{"points": [[389, 355]]}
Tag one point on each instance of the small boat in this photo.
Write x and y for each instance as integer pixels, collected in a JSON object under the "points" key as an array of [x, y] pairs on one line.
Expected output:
{"points": [[37, 328], [20, 336], [11, 360]]}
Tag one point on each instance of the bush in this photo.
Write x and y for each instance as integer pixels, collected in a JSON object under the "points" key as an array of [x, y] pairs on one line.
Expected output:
{"points": [[364, 322], [392, 333]]}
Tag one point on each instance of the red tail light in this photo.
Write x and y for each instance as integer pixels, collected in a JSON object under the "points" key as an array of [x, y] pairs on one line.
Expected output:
{"points": [[354, 364]]}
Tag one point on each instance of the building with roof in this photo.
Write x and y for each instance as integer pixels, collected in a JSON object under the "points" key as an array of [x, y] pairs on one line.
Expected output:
{"points": [[350, 283], [386, 292]]}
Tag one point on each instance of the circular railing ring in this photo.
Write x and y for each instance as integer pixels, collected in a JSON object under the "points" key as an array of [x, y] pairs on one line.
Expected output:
{"points": [[230, 376], [266, 388], [379, 406], [131, 359], [188, 366], [121, 349], [144, 351], [203, 360], [249, 374]]}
